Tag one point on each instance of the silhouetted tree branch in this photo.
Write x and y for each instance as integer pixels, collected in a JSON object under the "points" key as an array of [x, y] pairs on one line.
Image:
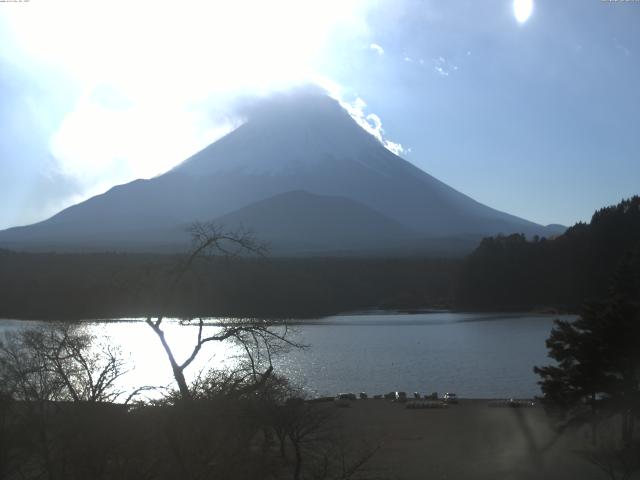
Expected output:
{"points": [[255, 337], [59, 363]]}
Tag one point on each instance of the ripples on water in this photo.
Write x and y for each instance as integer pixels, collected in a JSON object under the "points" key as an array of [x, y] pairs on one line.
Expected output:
{"points": [[474, 355]]}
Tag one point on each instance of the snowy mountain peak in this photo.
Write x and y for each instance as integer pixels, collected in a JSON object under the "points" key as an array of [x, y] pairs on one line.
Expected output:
{"points": [[286, 134], [357, 192]]}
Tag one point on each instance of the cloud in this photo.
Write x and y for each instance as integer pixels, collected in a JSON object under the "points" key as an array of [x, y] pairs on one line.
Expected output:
{"points": [[136, 94], [369, 122], [100, 145], [31, 184], [252, 107], [377, 48], [51, 189], [441, 71], [443, 67], [356, 108], [620, 47]]}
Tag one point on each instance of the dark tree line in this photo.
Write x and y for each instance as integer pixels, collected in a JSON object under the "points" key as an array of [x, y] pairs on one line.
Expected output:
{"points": [[111, 285], [513, 272], [503, 273]]}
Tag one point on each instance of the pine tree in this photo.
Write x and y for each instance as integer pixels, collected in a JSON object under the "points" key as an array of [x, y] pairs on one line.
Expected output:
{"points": [[598, 358]]}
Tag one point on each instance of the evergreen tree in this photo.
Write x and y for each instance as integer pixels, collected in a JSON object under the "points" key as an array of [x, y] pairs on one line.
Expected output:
{"points": [[512, 273], [598, 358]]}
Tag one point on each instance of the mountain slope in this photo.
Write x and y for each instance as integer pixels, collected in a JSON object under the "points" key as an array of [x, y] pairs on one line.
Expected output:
{"points": [[299, 221], [311, 143], [292, 142]]}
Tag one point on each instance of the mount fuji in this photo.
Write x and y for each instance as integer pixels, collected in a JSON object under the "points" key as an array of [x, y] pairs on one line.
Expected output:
{"points": [[302, 174]]}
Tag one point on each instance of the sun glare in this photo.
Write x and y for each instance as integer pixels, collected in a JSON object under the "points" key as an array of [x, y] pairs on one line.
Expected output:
{"points": [[167, 65], [522, 10]]}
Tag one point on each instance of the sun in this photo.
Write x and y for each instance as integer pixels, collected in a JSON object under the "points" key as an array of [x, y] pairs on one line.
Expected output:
{"points": [[522, 10]]}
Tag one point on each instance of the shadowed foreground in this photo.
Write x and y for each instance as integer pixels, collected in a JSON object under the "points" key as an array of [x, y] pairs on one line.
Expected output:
{"points": [[468, 440], [241, 439]]}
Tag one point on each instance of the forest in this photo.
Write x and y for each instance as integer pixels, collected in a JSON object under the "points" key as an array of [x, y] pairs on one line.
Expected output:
{"points": [[503, 273], [112, 285], [516, 273]]}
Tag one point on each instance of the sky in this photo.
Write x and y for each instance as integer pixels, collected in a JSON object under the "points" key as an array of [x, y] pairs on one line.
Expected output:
{"points": [[528, 106]]}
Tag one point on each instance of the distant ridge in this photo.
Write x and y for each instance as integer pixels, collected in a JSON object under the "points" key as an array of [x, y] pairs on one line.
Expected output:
{"points": [[296, 221]]}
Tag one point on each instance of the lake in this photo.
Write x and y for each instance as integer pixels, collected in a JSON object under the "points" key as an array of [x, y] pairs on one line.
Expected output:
{"points": [[472, 354]]}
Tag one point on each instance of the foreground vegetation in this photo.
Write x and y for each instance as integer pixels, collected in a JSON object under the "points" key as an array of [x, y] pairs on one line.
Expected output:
{"points": [[62, 416], [595, 379]]}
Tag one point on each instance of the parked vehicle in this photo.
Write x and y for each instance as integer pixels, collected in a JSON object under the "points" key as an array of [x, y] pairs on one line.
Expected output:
{"points": [[344, 399], [400, 397], [450, 398]]}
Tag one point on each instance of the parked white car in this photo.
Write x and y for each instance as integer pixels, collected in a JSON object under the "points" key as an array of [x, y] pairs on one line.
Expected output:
{"points": [[400, 397], [450, 398]]}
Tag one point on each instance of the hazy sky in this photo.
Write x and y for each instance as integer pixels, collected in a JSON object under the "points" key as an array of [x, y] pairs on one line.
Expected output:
{"points": [[531, 112]]}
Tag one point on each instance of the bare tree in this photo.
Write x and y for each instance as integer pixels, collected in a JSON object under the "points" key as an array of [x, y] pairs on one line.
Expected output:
{"points": [[88, 371], [59, 362], [260, 340], [320, 448], [58, 385], [25, 372], [305, 424]]}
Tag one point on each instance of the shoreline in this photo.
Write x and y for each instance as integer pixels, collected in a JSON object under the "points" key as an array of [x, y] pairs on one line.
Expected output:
{"points": [[304, 320]]}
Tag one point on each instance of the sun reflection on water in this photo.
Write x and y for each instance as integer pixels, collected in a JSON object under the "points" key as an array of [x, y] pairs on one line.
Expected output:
{"points": [[146, 360]]}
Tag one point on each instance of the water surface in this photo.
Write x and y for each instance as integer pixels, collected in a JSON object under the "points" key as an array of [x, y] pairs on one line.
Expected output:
{"points": [[472, 354]]}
